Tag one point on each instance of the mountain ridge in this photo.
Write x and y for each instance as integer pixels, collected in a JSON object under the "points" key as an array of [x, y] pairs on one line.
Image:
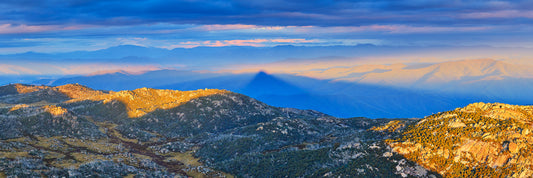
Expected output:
{"points": [[85, 132], [78, 134]]}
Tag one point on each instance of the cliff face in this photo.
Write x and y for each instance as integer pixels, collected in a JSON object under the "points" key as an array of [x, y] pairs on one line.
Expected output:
{"points": [[479, 139]]}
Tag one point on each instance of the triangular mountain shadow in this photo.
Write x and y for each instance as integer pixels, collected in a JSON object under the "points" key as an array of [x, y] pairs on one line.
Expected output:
{"points": [[266, 84]]}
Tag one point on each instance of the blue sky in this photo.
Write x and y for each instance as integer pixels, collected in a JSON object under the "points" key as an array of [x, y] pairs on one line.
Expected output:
{"points": [[61, 26]]}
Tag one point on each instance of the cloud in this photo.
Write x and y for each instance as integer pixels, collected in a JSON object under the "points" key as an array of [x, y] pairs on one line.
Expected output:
{"points": [[261, 13], [499, 14], [7, 69], [218, 27], [398, 29], [98, 24], [23, 28], [132, 41], [10, 29], [249, 42]]}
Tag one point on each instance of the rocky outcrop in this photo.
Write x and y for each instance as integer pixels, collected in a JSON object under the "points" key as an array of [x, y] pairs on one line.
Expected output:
{"points": [[500, 111], [141, 101], [483, 138], [55, 110]]}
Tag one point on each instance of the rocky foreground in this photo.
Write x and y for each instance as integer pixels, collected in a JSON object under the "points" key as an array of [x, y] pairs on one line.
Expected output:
{"points": [[74, 131], [478, 140]]}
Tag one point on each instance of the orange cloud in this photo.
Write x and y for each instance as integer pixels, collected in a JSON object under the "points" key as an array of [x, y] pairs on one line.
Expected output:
{"points": [[16, 70], [10, 29], [17, 29], [254, 42]]}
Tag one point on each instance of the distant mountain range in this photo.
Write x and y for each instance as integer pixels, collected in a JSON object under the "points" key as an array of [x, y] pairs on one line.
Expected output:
{"points": [[199, 56], [383, 91], [341, 88], [342, 99], [485, 77], [122, 80], [233, 57]]}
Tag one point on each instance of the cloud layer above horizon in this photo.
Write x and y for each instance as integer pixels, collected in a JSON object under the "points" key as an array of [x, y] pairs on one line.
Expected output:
{"points": [[63, 26]]}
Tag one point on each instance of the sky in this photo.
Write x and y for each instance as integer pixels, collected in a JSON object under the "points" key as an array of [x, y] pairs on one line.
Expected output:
{"points": [[200, 35], [372, 41], [53, 26]]}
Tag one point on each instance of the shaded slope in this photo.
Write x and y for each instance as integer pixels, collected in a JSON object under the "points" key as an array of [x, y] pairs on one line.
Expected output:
{"points": [[210, 114], [45, 122]]}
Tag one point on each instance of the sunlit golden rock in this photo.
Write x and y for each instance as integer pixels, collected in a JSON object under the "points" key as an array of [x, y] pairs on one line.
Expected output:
{"points": [[141, 101], [493, 138], [55, 110]]}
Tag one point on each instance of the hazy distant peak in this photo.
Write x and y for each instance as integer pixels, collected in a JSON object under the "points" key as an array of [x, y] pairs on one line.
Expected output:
{"points": [[103, 72], [126, 47]]}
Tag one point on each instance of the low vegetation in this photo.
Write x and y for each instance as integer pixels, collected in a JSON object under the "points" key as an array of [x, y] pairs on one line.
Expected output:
{"points": [[74, 131], [480, 139]]}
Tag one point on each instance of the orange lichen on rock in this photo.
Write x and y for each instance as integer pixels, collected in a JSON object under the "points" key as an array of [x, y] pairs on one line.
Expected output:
{"points": [[18, 106], [55, 110]]}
